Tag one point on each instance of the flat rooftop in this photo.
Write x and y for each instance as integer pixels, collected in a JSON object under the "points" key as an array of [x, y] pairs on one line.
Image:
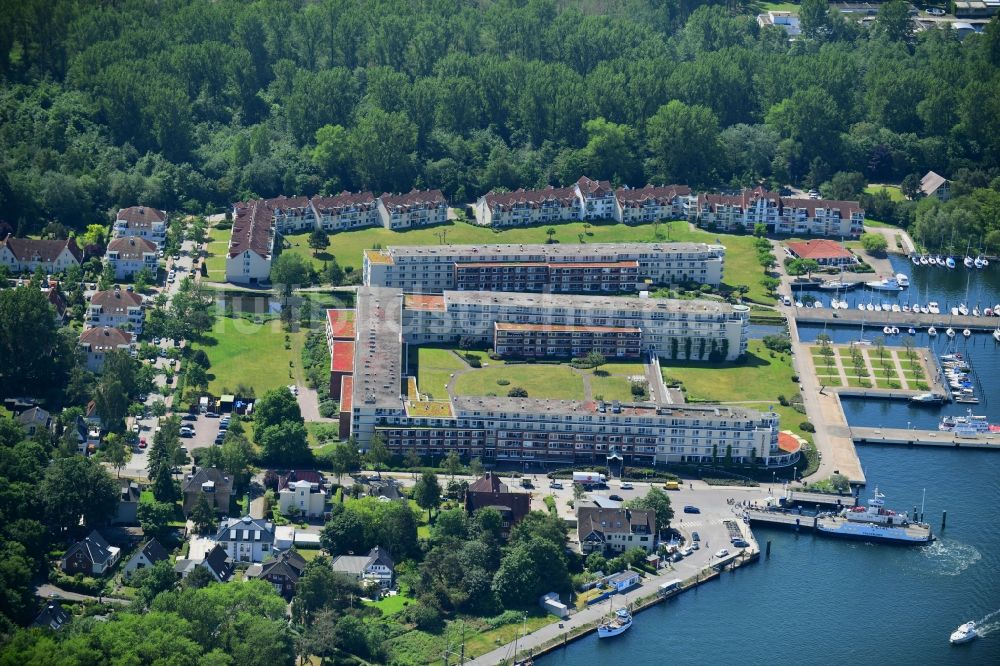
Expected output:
{"points": [[341, 324], [560, 328], [568, 407], [379, 349], [540, 252], [429, 409], [342, 356], [433, 302], [577, 302]]}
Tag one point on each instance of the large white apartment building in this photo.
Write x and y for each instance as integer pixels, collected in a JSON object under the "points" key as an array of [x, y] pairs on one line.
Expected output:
{"points": [[785, 216], [347, 210], [416, 208], [141, 222], [597, 199], [523, 208], [127, 255], [652, 203], [557, 268], [116, 308], [252, 243]]}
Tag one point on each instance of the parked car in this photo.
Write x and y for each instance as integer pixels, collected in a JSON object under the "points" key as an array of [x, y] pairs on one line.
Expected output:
{"points": [[555, 485], [740, 543], [722, 553], [688, 508], [616, 498], [695, 546], [626, 485], [187, 433], [189, 417], [687, 552], [211, 415], [142, 442], [695, 536]]}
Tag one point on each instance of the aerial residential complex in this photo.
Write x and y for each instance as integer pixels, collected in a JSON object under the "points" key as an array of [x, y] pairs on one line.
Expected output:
{"points": [[26, 255], [251, 245], [127, 255], [417, 208], [781, 215], [557, 268], [379, 394], [141, 222]]}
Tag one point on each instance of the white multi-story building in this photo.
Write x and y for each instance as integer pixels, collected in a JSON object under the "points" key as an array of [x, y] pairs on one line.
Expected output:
{"points": [[251, 245], [787, 216], [652, 203], [303, 498], [292, 215], [527, 207], [787, 21], [417, 208], [129, 255], [347, 210], [557, 268], [98, 342], [141, 222], [26, 255], [597, 199], [116, 308]]}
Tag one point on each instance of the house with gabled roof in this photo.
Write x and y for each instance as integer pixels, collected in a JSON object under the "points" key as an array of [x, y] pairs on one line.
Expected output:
{"points": [[597, 199], [26, 255], [934, 185], [246, 539], [92, 556], [347, 210], [217, 562], [292, 214], [34, 420], [101, 341], [116, 307], [129, 255], [149, 554], [127, 512], [251, 243], [651, 203], [416, 208], [211, 483], [282, 571], [527, 207], [53, 616], [376, 566], [488, 491], [143, 222], [615, 530]]}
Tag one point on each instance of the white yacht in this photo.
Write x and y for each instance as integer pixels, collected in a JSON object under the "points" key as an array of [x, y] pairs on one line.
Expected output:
{"points": [[966, 332], [932, 332], [963, 310], [617, 624], [950, 332], [963, 634], [933, 308], [968, 262], [902, 279]]}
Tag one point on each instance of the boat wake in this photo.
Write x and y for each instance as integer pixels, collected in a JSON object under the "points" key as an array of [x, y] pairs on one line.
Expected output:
{"points": [[950, 558], [984, 627]]}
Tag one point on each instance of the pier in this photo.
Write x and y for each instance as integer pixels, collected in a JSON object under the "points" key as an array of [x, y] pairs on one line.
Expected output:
{"points": [[797, 521], [901, 320], [822, 499], [911, 437]]}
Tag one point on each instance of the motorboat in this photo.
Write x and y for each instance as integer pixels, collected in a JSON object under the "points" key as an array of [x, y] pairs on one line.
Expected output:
{"points": [[996, 335], [957, 356], [896, 308], [903, 280], [950, 332], [974, 422], [963, 310], [966, 332], [895, 330], [963, 634], [912, 331], [927, 399], [933, 308], [954, 311], [874, 522], [968, 262], [889, 284], [976, 312], [618, 623], [836, 285], [932, 332], [887, 330], [950, 262], [924, 261]]}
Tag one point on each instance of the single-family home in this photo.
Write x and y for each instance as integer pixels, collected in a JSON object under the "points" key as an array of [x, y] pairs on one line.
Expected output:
{"points": [[417, 208], [251, 243], [151, 552], [92, 556], [26, 255], [34, 420], [57, 301], [933, 185], [118, 308], [489, 491], [387, 488], [211, 483], [127, 256], [142, 222], [127, 512], [217, 561], [597, 199], [302, 498], [246, 539], [282, 571], [787, 21], [53, 616], [376, 566], [100, 341], [615, 530], [347, 210], [822, 251]]}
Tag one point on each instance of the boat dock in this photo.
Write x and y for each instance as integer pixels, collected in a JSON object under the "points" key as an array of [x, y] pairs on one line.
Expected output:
{"points": [[822, 499], [797, 521], [911, 437], [901, 320]]}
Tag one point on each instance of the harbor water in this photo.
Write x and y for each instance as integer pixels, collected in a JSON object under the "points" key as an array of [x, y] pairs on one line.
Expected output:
{"points": [[825, 601]]}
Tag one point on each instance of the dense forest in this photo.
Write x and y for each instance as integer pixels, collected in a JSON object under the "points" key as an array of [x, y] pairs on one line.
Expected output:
{"points": [[191, 104]]}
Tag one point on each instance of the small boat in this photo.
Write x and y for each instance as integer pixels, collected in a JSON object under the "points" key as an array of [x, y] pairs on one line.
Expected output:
{"points": [[903, 280], [988, 312], [932, 331], [617, 624], [895, 330], [878, 307], [932, 307], [915, 259], [950, 332], [954, 312], [818, 305], [924, 261], [798, 304], [906, 308], [996, 335], [963, 634], [870, 307], [889, 284], [925, 310], [968, 262], [976, 312], [911, 331], [896, 308], [957, 356], [966, 332], [985, 262], [963, 310], [996, 310], [950, 262], [927, 399], [887, 330], [836, 285], [861, 306], [939, 260], [978, 262]]}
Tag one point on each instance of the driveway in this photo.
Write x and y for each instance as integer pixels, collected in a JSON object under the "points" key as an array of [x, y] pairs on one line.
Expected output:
{"points": [[48, 591], [309, 404]]}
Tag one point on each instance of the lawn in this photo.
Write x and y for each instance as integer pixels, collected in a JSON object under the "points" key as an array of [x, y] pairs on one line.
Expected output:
{"points": [[347, 246], [895, 194], [758, 377], [420, 647], [434, 366], [216, 248], [394, 604], [253, 355], [611, 388], [556, 382]]}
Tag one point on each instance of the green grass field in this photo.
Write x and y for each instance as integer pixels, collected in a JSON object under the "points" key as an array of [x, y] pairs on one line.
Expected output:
{"points": [[611, 388], [895, 194], [215, 262], [556, 382], [254, 355], [434, 367]]}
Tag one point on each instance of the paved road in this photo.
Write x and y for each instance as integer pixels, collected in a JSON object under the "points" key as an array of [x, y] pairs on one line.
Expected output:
{"points": [[47, 591], [309, 404]]}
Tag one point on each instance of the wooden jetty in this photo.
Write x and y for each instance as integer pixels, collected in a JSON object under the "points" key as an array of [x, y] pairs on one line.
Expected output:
{"points": [[911, 437]]}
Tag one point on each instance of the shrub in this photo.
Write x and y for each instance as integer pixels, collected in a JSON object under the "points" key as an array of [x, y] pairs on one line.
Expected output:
{"points": [[503, 382], [517, 392], [806, 426], [782, 400]]}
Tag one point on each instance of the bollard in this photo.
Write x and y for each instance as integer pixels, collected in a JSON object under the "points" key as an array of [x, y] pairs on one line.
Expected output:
{"points": [[944, 518], [768, 555]]}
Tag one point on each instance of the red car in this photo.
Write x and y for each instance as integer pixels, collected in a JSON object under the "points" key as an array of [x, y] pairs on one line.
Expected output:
{"points": [[142, 443]]}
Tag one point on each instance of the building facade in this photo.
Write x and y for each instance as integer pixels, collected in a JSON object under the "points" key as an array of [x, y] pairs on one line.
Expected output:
{"points": [[614, 531], [292, 215], [116, 308], [246, 539], [26, 255], [557, 268], [347, 210], [523, 208], [597, 199], [781, 215], [560, 341], [141, 222], [417, 208], [129, 255], [652, 203], [252, 243], [99, 342], [303, 498]]}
